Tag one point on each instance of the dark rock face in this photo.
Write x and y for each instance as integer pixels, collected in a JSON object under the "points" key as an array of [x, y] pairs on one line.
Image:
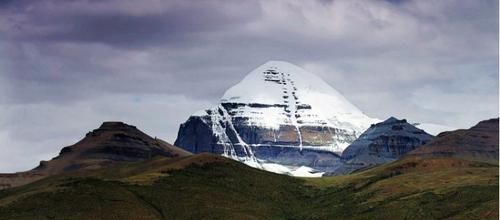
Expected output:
{"points": [[479, 143], [128, 144], [196, 136], [214, 134], [197, 133], [381, 143], [319, 160]]}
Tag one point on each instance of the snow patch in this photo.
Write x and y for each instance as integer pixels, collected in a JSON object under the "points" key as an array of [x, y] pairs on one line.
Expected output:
{"points": [[302, 171]]}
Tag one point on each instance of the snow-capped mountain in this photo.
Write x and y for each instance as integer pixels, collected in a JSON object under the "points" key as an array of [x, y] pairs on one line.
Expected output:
{"points": [[294, 97], [279, 113]]}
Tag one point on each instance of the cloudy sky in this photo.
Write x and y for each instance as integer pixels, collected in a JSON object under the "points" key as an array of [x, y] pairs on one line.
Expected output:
{"points": [[66, 66]]}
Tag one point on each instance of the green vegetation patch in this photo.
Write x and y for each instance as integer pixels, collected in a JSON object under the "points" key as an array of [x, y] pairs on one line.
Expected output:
{"points": [[230, 190]]}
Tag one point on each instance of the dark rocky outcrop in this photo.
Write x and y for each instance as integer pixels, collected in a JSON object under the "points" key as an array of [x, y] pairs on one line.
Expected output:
{"points": [[196, 136], [382, 143]]}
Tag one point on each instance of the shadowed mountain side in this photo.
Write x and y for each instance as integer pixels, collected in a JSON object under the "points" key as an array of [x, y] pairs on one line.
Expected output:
{"points": [[382, 143]]}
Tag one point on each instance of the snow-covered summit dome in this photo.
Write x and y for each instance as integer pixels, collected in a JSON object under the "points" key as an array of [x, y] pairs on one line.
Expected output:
{"points": [[267, 84], [307, 98]]}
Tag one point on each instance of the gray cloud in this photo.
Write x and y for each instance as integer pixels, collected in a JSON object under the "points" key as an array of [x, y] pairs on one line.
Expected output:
{"points": [[109, 23], [65, 66]]}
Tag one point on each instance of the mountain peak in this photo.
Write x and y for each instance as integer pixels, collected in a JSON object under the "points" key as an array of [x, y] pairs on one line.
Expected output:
{"points": [[278, 113], [280, 83], [278, 63], [115, 125], [113, 142], [393, 120], [381, 143]]}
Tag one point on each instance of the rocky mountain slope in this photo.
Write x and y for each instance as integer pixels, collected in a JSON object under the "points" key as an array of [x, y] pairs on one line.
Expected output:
{"points": [[382, 143], [479, 143], [111, 144], [279, 113]]}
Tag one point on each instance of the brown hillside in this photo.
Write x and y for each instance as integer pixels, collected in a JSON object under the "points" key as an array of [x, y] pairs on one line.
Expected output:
{"points": [[113, 143], [479, 143]]}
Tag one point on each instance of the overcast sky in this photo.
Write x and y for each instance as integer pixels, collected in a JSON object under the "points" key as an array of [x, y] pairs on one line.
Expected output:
{"points": [[66, 66]]}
